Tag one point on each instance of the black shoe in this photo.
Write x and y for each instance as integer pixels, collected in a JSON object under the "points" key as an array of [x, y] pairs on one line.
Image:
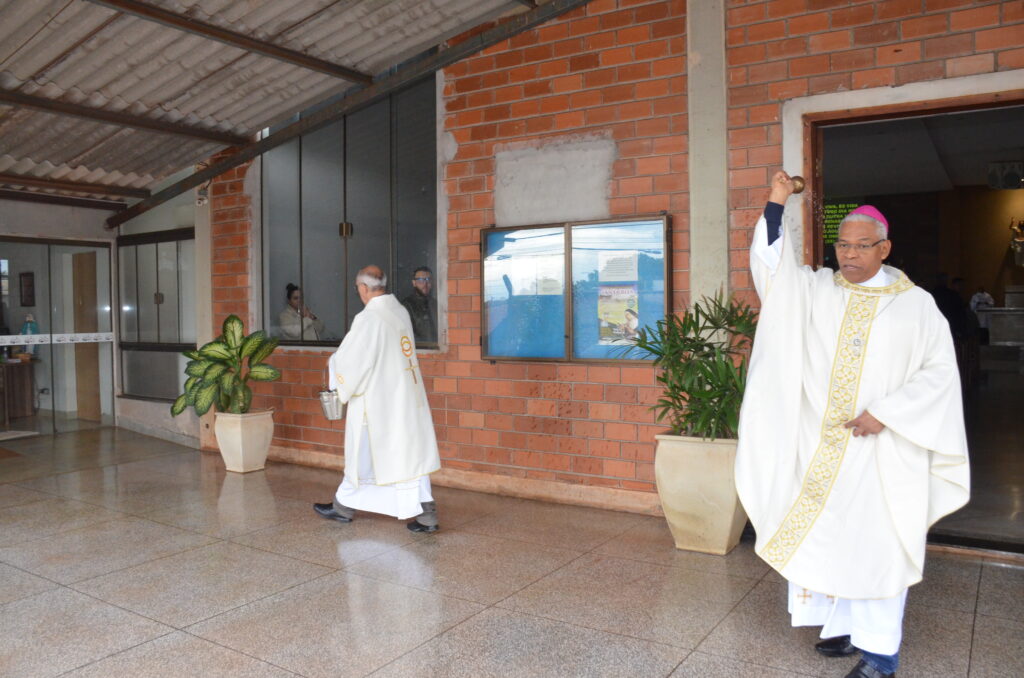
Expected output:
{"points": [[864, 670], [417, 526], [839, 646], [327, 511]]}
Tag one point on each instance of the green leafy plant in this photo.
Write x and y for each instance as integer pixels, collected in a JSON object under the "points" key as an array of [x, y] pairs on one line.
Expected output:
{"points": [[219, 372], [701, 356]]}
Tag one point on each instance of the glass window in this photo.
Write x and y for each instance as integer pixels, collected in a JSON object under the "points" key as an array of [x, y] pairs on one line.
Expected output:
{"points": [[158, 311], [360, 191]]}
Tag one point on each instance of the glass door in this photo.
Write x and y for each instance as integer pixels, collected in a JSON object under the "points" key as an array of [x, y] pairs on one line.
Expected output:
{"points": [[81, 338], [56, 357]]}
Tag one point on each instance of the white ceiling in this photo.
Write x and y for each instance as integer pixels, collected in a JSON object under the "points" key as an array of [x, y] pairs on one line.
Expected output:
{"points": [[920, 155]]}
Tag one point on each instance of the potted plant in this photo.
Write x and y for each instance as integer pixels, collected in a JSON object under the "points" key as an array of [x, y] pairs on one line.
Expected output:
{"points": [[218, 376], [701, 356]]}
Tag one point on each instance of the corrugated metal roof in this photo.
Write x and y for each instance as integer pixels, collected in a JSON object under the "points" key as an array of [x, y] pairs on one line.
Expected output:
{"points": [[80, 52]]}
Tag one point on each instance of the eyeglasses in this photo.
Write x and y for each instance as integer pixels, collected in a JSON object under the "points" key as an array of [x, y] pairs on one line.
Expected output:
{"points": [[421, 279], [856, 247]]}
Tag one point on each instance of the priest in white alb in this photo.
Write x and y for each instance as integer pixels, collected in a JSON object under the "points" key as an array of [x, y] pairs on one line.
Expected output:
{"points": [[390, 446], [851, 438]]}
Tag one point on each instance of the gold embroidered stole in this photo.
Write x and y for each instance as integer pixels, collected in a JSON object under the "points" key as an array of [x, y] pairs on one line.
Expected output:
{"points": [[842, 399]]}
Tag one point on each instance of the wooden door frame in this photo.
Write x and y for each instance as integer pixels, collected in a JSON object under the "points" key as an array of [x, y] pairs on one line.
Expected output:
{"points": [[813, 145]]}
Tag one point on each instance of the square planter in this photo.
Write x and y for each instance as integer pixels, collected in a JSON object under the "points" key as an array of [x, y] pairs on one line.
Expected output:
{"points": [[698, 492]]}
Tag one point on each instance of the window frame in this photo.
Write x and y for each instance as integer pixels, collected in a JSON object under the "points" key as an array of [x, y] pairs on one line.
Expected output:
{"points": [[567, 291], [346, 231], [149, 238]]}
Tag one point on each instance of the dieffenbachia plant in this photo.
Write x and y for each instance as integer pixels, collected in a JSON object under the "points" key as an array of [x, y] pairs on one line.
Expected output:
{"points": [[218, 372]]}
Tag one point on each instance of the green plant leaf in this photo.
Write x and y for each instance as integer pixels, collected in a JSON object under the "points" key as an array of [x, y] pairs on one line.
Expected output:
{"points": [[197, 368], [264, 373], [192, 355], [228, 380], [205, 397], [263, 351], [216, 350], [241, 399], [214, 371], [252, 342], [233, 331], [189, 383], [179, 405]]}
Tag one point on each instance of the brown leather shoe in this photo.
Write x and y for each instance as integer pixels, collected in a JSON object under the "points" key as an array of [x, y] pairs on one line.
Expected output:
{"points": [[839, 646]]}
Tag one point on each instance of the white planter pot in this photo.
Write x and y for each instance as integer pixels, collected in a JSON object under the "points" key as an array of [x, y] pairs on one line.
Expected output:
{"points": [[244, 439], [698, 492]]}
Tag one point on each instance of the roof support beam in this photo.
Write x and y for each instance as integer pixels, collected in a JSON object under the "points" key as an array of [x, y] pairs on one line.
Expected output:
{"points": [[228, 37], [364, 97], [19, 99], [49, 198], [532, 4], [74, 186]]}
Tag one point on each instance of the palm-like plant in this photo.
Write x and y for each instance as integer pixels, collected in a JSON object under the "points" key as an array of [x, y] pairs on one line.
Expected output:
{"points": [[702, 360], [217, 372]]}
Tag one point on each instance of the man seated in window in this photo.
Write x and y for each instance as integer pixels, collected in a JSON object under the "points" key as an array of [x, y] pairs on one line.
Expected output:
{"points": [[421, 306], [296, 320]]}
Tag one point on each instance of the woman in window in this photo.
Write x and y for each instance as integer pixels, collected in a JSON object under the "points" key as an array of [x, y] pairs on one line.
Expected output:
{"points": [[296, 320]]}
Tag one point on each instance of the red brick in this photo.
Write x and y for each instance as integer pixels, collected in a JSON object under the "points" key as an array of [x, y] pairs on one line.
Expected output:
{"points": [[1000, 38], [926, 25], [898, 54], [809, 23], [853, 16], [811, 65], [972, 19], [1011, 59], [970, 65], [770, 30], [829, 42], [947, 46], [929, 70], [896, 9], [876, 34], [876, 77], [777, 8]]}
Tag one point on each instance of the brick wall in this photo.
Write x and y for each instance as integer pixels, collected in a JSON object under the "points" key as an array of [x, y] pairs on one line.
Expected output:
{"points": [[617, 68], [782, 49], [612, 68]]}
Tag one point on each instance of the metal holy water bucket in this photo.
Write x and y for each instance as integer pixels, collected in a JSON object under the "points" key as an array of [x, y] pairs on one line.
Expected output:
{"points": [[331, 405]]}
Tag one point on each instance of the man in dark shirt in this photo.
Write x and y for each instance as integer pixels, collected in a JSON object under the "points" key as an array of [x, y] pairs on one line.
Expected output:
{"points": [[421, 306]]}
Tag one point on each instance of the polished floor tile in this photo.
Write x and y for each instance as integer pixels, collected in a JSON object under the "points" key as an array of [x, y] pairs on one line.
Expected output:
{"points": [[197, 584], [44, 518], [118, 551], [1002, 591], [651, 541], [60, 630], [330, 543], [700, 665], [179, 654], [570, 527], [949, 582], [16, 584], [758, 631], [336, 626], [12, 495], [500, 643], [99, 549], [996, 652], [464, 565], [670, 605]]}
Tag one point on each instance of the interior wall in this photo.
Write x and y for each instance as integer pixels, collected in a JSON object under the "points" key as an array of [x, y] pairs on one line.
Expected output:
{"points": [[983, 216]]}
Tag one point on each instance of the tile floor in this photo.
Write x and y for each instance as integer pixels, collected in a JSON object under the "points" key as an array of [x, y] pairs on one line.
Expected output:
{"points": [[121, 555]]}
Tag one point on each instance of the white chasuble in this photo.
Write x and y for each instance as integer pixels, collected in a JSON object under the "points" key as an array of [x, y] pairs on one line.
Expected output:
{"points": [[375, 370], [839, 515]]}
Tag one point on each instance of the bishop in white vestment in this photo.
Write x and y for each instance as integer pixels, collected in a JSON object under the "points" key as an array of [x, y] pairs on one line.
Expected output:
{"points": [[851, 438], [390, 445]]}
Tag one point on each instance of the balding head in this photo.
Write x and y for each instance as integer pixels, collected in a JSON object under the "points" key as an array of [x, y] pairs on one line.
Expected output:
{"points": [[371, 282]]}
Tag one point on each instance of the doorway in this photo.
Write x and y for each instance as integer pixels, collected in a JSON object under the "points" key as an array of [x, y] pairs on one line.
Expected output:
{"points": [[56, 357], [950, 183]]}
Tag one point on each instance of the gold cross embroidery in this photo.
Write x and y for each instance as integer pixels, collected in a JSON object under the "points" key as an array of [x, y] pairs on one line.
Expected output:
{"points": [[412, 369], [805, 596]]}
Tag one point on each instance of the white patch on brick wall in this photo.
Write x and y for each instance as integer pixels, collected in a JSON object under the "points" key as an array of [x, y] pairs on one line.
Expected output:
{"points": [[567, 180]]}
